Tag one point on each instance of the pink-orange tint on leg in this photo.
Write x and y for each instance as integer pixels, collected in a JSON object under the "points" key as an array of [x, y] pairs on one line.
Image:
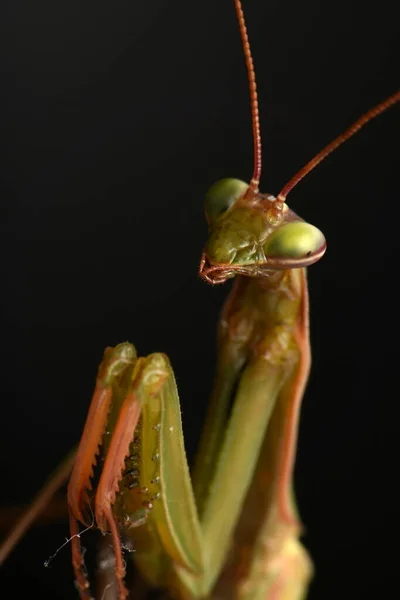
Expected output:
{"points": [[111, 474], [114, 463], [119, 561], [290, 434], [40, 503], [88, 447], [78, 563]]}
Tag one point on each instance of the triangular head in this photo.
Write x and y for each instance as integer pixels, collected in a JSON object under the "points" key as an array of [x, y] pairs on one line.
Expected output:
{"points": [[249, 236]]}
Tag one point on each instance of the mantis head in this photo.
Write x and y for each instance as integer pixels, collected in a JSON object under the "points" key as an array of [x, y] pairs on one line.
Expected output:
{"points": [[254, 234], [257, 234]]}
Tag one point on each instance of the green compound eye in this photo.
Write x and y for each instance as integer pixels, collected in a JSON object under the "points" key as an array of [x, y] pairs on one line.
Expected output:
{"points": [[221, 196], [294, 240]]}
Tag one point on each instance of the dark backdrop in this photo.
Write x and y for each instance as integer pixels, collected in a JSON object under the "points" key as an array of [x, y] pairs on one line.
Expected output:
{"points": [[117, 117]]}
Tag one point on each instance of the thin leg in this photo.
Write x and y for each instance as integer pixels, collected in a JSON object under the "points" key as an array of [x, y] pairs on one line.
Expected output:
{"points": [[78, 563], [37, 507], [56, 512], [119, 561], [108, 485]]}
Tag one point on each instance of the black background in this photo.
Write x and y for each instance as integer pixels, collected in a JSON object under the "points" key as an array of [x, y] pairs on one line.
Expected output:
{"points": [[117, 117]]}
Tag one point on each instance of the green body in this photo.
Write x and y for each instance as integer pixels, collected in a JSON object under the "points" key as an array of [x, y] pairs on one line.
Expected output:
{"points": [[231, 530]]}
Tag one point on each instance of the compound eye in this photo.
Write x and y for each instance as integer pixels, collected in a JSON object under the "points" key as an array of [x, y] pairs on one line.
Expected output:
{"points": [[294, 240], [221, 196]]}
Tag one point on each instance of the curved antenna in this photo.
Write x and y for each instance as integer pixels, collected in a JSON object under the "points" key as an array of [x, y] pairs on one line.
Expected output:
{"points": [[370, 114], [255, 119]]}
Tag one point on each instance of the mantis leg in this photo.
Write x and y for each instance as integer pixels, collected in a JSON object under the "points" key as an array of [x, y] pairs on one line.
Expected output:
{"points": [[170, 543], [38, 506], [144, 492]]}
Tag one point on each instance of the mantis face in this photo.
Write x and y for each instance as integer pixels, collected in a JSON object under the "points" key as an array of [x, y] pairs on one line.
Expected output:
{"points": [[247, 238]]}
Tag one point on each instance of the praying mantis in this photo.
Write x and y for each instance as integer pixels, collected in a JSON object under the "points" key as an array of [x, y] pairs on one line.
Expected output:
{"points": [[266, 199]]}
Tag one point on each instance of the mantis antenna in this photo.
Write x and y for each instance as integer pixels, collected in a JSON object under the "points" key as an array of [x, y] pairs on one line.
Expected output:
{"points": [[370, 114], [255, 117], [343, 137]]}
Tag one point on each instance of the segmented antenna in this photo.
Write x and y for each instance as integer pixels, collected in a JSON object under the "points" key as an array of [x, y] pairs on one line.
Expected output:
{"points": [[255, 118], [370, 114]]}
